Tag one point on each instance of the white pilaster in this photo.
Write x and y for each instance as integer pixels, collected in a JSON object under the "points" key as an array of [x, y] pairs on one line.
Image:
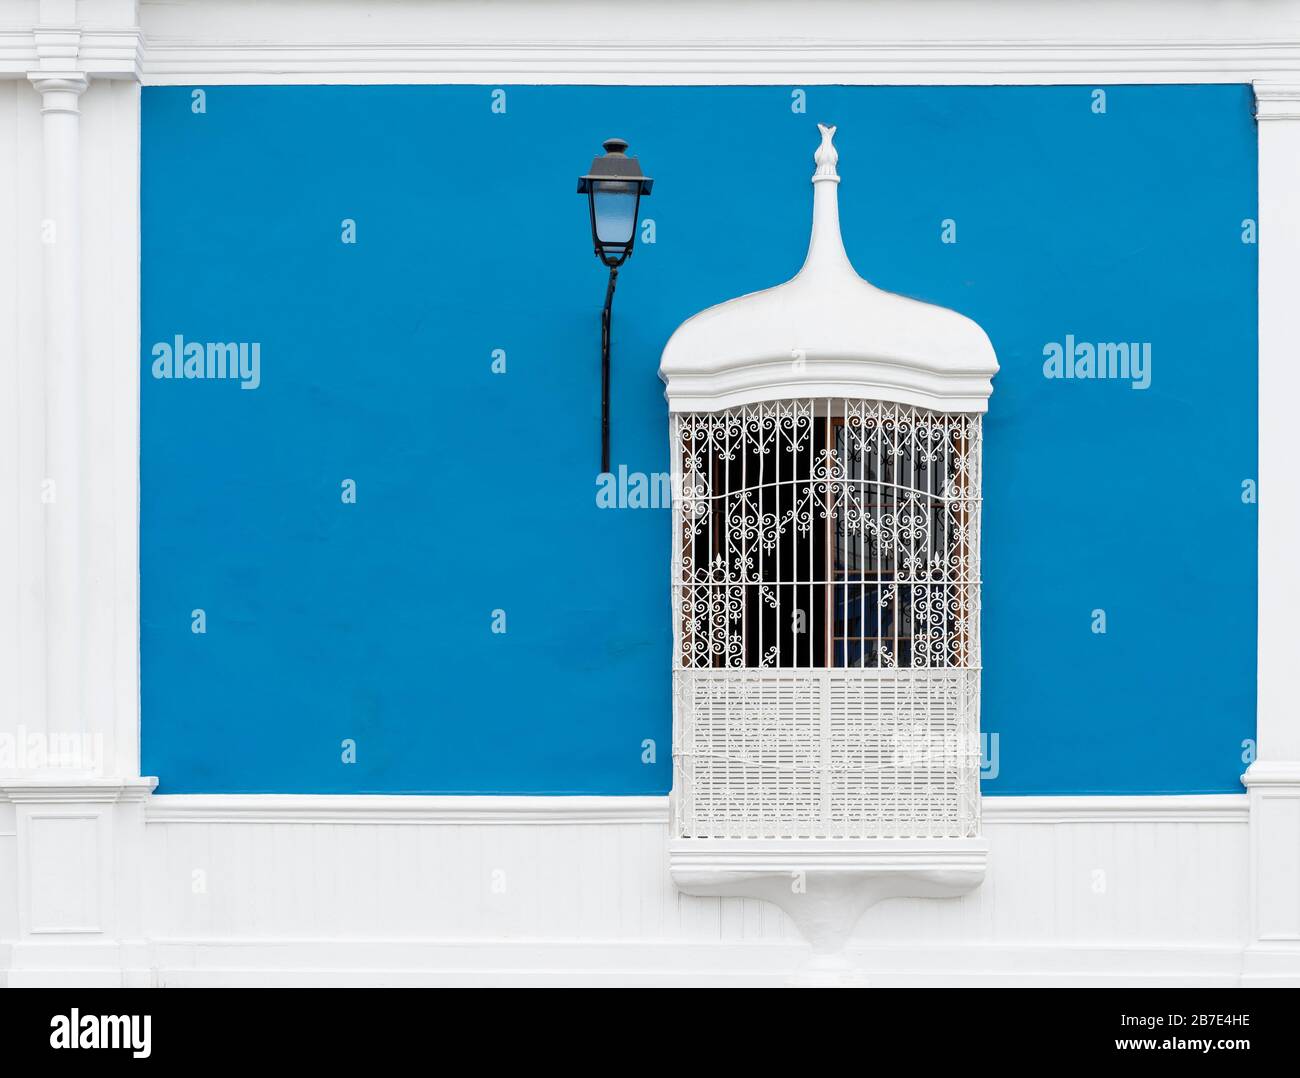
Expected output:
{"points": [[62, 493], [1273, 953]]}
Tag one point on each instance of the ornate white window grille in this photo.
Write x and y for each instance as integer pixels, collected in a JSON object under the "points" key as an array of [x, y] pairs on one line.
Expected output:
{"points": [[826, 612]]}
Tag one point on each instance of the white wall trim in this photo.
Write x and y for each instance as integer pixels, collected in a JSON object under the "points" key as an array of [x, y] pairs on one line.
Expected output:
{"points": [[129, 52], [452, 809], [725, 61], [305, 963], [46, 790], [1154, 808], [314, 962], [403, 808]]}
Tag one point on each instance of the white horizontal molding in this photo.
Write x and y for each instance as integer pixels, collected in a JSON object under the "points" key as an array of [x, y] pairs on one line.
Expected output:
{"points": [[488, 809], [727, 61], [1174, 808], [70, 790], [127, 52], [464, 962], [403, 808]]}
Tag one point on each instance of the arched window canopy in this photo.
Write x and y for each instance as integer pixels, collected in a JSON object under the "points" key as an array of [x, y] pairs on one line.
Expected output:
{"points": [[828, 333]]}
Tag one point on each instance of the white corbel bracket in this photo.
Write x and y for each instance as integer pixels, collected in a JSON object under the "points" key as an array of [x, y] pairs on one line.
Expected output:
{"points": [[825, 886]]}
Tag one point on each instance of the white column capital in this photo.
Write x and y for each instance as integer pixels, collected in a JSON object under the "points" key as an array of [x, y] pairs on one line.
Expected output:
{"points": [[59, 90]]}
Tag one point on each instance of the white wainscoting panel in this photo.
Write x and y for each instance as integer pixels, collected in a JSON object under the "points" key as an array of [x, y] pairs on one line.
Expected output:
{"points": [[416, 890], [64, 864]]}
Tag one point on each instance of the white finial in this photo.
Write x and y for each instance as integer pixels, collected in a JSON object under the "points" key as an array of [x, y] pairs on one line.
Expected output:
{"points": [[826, 156], [826, 248]]}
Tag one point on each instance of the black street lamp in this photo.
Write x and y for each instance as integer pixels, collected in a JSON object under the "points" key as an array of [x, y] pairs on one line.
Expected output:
{"points": [[613, 187]]}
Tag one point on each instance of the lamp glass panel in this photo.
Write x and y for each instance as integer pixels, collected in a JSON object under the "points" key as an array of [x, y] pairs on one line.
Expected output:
{"points": [[615, 208]]}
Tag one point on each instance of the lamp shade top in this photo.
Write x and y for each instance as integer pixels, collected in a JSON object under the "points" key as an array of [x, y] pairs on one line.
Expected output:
{"points": [[614, 165]]}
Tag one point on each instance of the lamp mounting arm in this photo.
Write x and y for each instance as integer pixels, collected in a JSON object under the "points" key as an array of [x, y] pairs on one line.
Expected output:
{"points": [[605, 316]]}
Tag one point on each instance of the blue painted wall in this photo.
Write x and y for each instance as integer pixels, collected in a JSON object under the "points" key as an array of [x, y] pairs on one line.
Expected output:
{"points": [[475, 491]]}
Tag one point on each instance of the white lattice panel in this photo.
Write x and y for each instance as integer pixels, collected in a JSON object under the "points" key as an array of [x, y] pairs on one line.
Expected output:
{"points": [[753, 742], [901, 760], [826, 753]]}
